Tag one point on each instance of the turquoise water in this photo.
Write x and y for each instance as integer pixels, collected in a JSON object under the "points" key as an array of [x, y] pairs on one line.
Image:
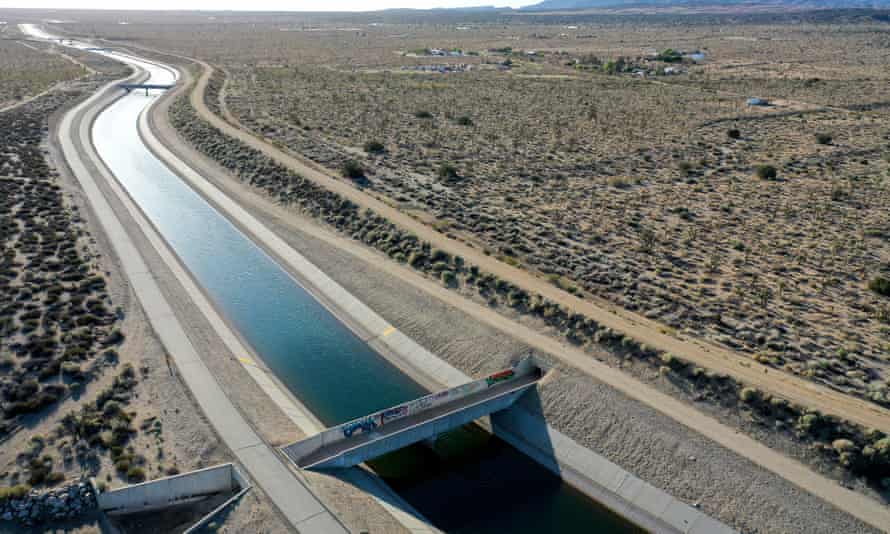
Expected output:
{"points": [[490, 488]]}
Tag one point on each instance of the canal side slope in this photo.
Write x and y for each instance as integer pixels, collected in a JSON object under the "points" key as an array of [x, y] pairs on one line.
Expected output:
{"points": [[627, 431]]}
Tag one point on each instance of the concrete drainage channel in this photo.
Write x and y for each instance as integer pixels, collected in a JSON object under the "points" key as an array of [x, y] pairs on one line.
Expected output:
{"points": [[594, 475], [177, 490]]}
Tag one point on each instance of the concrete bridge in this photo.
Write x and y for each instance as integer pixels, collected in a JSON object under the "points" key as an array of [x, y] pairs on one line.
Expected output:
{"points": [[388, 430], [147, 86]]}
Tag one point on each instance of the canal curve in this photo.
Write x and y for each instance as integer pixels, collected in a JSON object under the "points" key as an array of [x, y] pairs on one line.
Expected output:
{"points": [[473, 483]]}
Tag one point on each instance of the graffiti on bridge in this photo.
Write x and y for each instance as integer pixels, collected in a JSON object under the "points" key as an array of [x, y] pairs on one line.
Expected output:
{"points": [[395, 413], [499, 377], [372, 422], [366, 425]]}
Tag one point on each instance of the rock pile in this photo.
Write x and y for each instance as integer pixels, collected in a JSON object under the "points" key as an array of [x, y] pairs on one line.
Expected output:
{"points": [[57, 504]]}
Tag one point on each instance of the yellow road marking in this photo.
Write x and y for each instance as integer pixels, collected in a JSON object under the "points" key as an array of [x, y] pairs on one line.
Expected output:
{"points": [[388, 331], [248, 361]]}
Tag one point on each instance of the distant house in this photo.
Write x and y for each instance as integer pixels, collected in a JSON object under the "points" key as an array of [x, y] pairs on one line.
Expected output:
{"points": [[672, 70], [758, 102]]}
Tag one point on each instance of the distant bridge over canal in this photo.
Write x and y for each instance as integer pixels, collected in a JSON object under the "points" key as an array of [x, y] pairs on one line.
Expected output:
{"points": [[388, 430], [147, 86]]}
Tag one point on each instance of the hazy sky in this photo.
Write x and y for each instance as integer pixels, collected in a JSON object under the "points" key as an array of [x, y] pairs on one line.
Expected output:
{"points": [[256, 5]]}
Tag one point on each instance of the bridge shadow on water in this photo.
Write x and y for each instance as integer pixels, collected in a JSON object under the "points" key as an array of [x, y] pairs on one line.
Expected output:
{"points": [[470, 481]]}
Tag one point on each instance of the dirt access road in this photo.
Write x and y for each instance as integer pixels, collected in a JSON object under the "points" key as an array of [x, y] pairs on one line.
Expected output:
{"points": [[701, 353]]}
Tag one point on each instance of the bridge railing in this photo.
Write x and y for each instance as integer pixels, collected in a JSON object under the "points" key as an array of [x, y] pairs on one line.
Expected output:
{"points": [[129, 86], [377, 420]]}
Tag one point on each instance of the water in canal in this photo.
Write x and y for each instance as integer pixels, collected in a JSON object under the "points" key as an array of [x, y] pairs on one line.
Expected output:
{"points": [[485, 487]]}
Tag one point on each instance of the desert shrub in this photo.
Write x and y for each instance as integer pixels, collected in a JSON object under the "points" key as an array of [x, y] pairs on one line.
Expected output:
{"points": [[767, 172], [685, 168], [618, 182], [734, 134], [670, 360], [437, 254], [823, 138], [449, 278], [117, 452], [843, 445], [112, 408], [116, 337], [880, 285], [135, 474], [669, 55], [14, 492], [39, 471], [464, 120], [448, 172], [54, 478], [352, 169], [839, 193], [122, 466], [416, 259], [881, 450], [423, 114], [374, 147], [809, 423], [749, 395]]}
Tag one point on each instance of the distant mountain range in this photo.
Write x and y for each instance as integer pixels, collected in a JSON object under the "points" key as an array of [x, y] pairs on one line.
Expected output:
{"points": [[552, 5]]}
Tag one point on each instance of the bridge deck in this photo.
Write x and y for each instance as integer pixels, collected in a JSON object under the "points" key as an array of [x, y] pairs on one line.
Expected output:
{"points": [[406, 424], [130, 86]]}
